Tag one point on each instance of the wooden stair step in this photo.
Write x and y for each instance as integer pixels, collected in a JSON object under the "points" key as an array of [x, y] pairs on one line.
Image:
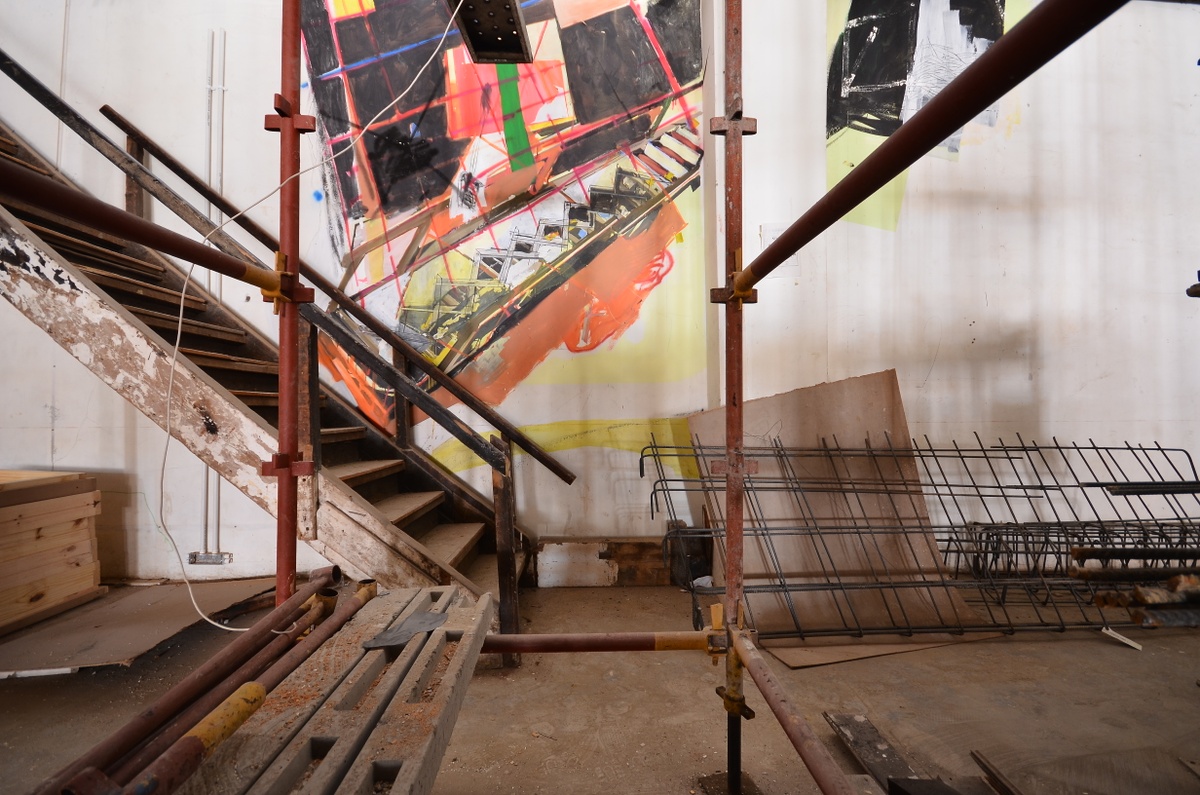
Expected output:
{"points": [[166, 322], [483, 572], [356, 473], [116, 260], [350, 433], [226, 361], [452, 543], [403, 508], [124, 284], [12, 158], [9, 146], [252, 397], [27, 212]]}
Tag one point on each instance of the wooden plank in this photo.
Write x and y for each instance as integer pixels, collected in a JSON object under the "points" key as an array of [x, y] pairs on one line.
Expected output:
{"points": [[34, 521], [239, 761], [13, 479], [452, 543], [49, 611], [124, 284], [351, 433], [78, 247], [407, 745], [357, 473], [51, 506], [317, 759], [167, 322], [17, 601], [225, 361], [869, 747], [47, 492], [403, 508], [57, 562], [45, 537]]}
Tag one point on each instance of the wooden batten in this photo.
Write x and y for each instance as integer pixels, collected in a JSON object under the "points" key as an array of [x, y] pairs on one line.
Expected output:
{"points": [[48, 551]]}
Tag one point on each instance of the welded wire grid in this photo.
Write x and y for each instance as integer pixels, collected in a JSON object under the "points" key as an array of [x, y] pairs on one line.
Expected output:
{"points": [[921, 538]]}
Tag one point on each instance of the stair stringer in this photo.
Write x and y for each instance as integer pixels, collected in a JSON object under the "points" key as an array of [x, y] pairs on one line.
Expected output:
{"points": [[125, 354]]}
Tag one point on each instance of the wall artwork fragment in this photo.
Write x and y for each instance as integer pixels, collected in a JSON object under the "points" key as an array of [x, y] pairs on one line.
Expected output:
{"points": [[888, 58], [493, 214]]}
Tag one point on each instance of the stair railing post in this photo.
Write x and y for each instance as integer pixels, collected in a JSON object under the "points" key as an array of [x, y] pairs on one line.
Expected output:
{"points": [[135, 195], [402, 409], [308, 428], [506, 542]]}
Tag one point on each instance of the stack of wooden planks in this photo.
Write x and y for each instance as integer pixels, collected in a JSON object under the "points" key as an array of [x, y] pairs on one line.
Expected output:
{"points": [[48, 560]]}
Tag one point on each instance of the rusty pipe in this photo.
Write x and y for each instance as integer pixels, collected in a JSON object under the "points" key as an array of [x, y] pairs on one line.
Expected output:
{"points": [[825, 771], [185, 755], [1046, 31], [324, 631], [166, 706], [17, 182], [145, 756], [596, 642]]}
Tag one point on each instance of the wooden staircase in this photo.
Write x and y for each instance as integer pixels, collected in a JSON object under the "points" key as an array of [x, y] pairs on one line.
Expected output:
{"points": [[439, 526]]}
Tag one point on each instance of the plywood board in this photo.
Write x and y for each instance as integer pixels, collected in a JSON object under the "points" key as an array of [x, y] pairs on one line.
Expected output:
{"points": [[855, 412], [118, 627], [14, 479]]}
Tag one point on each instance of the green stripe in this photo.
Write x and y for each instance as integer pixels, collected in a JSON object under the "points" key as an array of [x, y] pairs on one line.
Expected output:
{"points": [[515, 135]]}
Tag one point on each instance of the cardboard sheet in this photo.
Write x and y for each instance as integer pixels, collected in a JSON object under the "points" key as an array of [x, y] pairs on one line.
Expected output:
{"points": [[116, 628], [854, 413]]}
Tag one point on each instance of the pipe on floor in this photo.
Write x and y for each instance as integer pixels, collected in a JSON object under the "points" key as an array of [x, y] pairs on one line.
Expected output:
{"points": [[159, 743], [1045, 32], [119, 743], [825, 771], [595, 642]]}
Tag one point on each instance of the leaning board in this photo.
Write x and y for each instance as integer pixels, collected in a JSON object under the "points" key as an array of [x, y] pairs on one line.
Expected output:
{"points": [[48, 556]]}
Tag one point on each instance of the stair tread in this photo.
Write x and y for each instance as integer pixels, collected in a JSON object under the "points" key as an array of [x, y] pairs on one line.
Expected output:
{"points": [[451, 543], [198, 327], [348, 433], [227, 361], [115, 259], [125, 284], [356, 472], [483, 572], [400, 508]]}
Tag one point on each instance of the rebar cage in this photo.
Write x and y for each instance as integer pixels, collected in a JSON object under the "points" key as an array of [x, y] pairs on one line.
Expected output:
{"points": [[918, 538]]}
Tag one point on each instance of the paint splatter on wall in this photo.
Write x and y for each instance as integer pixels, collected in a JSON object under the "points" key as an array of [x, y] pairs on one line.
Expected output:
{"points": [[495, 213], [888, 60]]}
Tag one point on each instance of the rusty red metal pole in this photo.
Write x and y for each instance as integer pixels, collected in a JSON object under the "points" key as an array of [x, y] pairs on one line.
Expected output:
{"points": [[287, 465], [595, 642], [1045, 32], [733, 125], [825, 771]]}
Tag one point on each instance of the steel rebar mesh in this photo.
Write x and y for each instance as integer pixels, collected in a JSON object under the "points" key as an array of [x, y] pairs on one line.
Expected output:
{"points": [[913, 539]]}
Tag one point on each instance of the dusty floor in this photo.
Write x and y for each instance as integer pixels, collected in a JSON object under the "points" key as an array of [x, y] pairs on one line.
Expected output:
{"points": [[1067, 713]]}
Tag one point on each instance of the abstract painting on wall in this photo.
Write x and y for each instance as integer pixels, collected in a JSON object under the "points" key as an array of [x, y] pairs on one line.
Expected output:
{"points": [[492, 214], [887, 60]]}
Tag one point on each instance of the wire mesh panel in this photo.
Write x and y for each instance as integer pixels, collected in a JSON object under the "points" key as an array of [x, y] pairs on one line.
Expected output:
{"points": [[918, 538]]}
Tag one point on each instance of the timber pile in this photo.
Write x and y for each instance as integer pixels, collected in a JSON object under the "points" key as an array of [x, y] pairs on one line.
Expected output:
{"points": [[1175, 603], [48, 560]]}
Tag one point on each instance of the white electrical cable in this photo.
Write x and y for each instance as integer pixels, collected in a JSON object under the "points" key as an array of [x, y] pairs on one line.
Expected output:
{"points": [[162, 471]]}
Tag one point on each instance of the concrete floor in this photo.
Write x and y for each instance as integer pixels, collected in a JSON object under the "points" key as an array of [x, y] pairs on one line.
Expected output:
{"points": [[1069, 713]]}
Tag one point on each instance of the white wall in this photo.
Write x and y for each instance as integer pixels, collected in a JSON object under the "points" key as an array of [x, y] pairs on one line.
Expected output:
{"points": [[150, 61], [1036, 284]]}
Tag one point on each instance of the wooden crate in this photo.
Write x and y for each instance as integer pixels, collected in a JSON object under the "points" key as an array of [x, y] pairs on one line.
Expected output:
{"points": [[48, 556]]}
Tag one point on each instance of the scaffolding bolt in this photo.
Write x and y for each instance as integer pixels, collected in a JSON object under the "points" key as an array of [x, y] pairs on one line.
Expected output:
{"points": [[735, 706]]}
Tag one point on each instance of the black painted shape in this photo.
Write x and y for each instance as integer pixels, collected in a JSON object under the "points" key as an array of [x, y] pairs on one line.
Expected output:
{"points": [[318, 37], [414, 160], [676, 24], [612, 67], [871, 61]]}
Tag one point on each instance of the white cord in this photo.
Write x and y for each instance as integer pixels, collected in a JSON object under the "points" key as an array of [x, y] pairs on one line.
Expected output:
{"points": [[162, 471]]}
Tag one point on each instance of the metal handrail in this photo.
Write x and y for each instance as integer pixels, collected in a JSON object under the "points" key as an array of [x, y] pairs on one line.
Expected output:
{"points": [[344, 302]]}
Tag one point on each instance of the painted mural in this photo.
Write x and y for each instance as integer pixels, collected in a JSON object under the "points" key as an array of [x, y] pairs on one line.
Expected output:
{"points": [[493, 214], [888, 58]]}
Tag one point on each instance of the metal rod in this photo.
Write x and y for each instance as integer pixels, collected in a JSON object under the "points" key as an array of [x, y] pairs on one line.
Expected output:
{"points": [[345, 611], [506, 546], [344, 302], [1046, 31], [18, 182], [825, 771], [596, 642], [144, 756], [166, 706]]}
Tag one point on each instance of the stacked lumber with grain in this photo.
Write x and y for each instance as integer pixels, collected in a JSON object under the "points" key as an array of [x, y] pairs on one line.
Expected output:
{"points": [[48, 560], [1174, 603]]}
